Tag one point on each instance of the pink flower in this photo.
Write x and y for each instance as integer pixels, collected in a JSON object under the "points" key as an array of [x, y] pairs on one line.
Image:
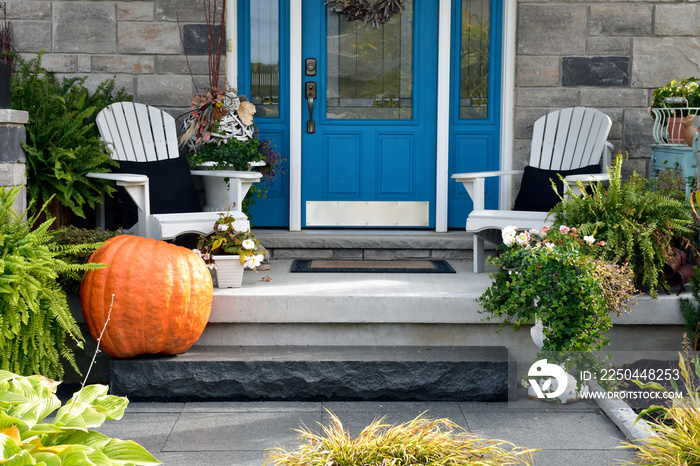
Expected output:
{"points": [[544, 230], [564, 229], [602, 243]]}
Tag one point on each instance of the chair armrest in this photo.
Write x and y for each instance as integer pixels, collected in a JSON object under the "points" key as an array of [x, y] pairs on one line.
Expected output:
{"points": [[475, 184], [585, 180], [131, 178], [137, 188]]}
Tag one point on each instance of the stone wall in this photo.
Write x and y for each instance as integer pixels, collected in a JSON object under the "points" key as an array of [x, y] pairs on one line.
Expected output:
{"points": [[137, 42], [607, 55], [604, 54]]}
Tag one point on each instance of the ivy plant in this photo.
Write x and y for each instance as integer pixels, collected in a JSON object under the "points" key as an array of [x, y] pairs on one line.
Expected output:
{"points": [[35, 322], [67, 440], [63, 144]]}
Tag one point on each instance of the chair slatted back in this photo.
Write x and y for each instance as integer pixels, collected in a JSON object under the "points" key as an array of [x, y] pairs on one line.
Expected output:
{"points": [[138, 132], [569, 138]]}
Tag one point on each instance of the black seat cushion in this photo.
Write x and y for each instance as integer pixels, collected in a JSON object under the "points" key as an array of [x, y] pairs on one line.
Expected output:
{"points": [[170, 187], [536, 193]]}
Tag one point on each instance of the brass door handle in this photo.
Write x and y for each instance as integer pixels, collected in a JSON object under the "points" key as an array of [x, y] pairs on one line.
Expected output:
{"points": [[310, 96]]}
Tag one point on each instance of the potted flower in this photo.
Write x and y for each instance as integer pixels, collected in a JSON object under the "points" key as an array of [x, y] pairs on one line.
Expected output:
{"points": [[672, 109], [229, 251]]}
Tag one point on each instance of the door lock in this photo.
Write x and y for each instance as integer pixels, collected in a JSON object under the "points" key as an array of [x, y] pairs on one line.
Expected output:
{"points": [[310, 66]]}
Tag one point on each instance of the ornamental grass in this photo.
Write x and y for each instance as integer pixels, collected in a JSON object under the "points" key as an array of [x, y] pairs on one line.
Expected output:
{"points": [[420, 441]]}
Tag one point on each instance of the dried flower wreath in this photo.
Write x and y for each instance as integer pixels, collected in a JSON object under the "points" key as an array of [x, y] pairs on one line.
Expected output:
{"points": [[362, 10]]}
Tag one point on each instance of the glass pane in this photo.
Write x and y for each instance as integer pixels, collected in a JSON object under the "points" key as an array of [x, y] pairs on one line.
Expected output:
{"points": [[370, 70], [474, 60], [265, 57]]}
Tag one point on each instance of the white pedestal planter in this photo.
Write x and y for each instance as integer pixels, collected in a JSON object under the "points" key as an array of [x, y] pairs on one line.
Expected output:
{"points": [[229, 271], [222, 195]]}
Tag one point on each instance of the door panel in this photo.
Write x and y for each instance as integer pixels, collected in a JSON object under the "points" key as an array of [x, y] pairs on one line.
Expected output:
{"points": [[375, 120]]}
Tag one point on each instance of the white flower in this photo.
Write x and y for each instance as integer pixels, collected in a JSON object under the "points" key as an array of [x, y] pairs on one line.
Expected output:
{"points": [[564, 229], [253, 261], [523, 238], [589, 239], [249, 244], [508, 235], [549, 246]]}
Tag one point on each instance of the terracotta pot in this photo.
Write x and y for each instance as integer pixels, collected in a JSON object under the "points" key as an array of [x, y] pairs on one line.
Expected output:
{"points": [[676, 130]]}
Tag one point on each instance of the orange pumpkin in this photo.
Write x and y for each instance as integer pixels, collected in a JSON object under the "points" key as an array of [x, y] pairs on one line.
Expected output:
{"points": [[162, 297]]}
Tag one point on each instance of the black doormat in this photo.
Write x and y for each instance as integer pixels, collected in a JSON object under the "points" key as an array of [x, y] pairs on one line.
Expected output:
{"points": [[367, 266]]}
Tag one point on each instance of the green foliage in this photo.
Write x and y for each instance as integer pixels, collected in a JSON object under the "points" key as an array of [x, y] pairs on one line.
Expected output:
{"points": [[232, 155], [638, 224], [691, 311], [63, 144], [419, 441], [687, 87], [67, 439], [553, 276], [89, 240], [676, 433], [227, 241], [35, 321]]}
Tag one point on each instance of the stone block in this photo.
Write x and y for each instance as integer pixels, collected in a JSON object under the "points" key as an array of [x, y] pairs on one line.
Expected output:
{"points": [[84, 27], [11, 139], [135, 11], [396, 254], [621, 20], [59, 62], [608, 46], [84, 63], [95, 79], [613, 97], [12, 174], [196, 39], [31, 36], [136, 64], [552, 29], [155, 38], [658, 60], [24, 10], [637, 132], [348, 253], [160, 90], [185, 10], [678, 19], [537, 71], [281, 254], [177, 64], [615, 114], [524, 121], [595, 71], [547, 97]]}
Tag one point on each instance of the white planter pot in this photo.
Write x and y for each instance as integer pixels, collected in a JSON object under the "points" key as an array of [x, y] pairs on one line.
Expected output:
{"points": [[222, 195], [229, 271]]}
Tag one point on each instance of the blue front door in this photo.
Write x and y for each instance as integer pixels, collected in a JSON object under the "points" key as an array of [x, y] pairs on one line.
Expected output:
{"points": [[369, 132]]}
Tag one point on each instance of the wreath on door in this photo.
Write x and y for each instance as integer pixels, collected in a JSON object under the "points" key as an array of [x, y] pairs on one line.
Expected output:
{"points": [[362, 10]]}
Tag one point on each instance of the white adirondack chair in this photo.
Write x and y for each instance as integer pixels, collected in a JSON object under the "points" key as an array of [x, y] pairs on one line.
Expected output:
{"points": [[563, 140], [141, 133]]}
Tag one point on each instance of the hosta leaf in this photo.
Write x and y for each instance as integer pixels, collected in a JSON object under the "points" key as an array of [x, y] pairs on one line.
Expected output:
{"points": [[47, 459], [88, 394], [8, 446], [91, 439], [122, 452], [20, 459]]}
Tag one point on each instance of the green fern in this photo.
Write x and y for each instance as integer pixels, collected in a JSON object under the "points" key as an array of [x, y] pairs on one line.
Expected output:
{"points": [[35, 322], [638, 224]]}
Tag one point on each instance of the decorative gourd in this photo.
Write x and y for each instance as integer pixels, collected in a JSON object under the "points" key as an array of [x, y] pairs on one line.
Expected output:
{"points": [[162, 297]]}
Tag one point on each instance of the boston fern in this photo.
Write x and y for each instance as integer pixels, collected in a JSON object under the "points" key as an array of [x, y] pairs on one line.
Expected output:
{"points": [[63, 144], [638, 224], [35, 321]]}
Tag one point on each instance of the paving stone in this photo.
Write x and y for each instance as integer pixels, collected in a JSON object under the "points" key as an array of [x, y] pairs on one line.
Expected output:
{"points": [[135, 64], [155, 38], [135, 11], [318, 373], [595, 71], [348, 253], [681, 19], [150, 430], [84, 27], [551, 29], [213, 458], [621, 19]]}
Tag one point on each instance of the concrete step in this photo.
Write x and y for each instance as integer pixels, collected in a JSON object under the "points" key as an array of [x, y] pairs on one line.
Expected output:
{"points": [[318, 373], [366, 244]]}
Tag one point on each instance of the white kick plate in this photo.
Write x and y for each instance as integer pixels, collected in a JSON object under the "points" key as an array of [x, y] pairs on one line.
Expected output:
{"points": [[367, 214]]}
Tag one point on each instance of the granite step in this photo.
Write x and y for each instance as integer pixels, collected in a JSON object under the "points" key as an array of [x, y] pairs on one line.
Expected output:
{"points": [[318, 373]]}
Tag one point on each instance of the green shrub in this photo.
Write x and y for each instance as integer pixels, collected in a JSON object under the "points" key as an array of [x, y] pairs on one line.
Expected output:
{"points": [[638, 224], [35, 321], [420, 441], [691, 311], [69, 236], [67, 440], [63, 144], [675, 438]]}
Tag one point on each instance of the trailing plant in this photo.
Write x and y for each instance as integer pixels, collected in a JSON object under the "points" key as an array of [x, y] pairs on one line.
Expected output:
{"points": [[71, 235], [63, 144], [228, 241], [553, 276], [35, 321], [68, 439], [638, 224], [691, 310], [675, 435], [686, 87], [419, 441]]}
